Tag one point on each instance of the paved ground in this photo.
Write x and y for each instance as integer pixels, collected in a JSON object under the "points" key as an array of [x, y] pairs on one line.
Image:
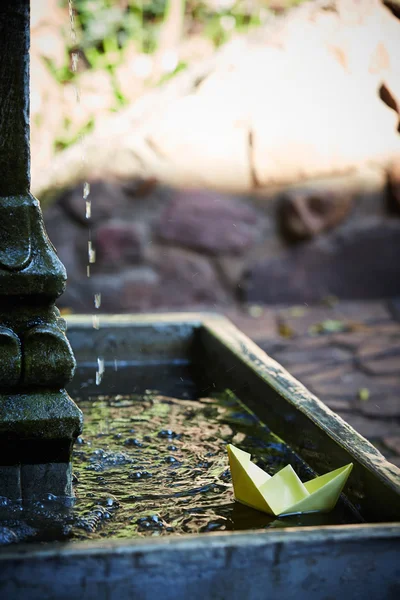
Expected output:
{"points": [[348, 354]]}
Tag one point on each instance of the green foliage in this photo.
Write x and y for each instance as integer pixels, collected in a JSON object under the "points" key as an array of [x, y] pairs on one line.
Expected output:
{"points": [[179, 68], [106, 26], [62, 74], [68, 138], [106, 29]]}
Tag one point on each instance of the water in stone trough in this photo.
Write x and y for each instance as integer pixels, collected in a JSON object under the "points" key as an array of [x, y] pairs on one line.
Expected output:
{"points": [[152, 465]]}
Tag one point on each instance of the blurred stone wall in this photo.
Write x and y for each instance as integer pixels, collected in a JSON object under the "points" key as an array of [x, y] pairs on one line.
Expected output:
{"points": [[147, 247]]}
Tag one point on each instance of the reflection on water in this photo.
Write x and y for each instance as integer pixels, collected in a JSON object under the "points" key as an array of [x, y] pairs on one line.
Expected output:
{"points": [[154, 465]]}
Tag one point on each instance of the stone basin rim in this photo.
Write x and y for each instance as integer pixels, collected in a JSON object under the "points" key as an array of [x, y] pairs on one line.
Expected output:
{"points": [[210, 540]]}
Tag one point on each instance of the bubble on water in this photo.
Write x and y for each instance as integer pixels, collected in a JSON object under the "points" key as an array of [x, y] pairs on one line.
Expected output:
{"points": [[139, 475], [150, 522], [16, 531], [133, 442], [100, 459], [167, 433], [91, 521], [171, 459]]}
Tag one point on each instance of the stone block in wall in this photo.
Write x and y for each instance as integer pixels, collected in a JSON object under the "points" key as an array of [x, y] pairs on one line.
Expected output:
{"points": [[118, 242], [306, 213], [209, 222], [126, 290], [358, 261], [105, 199], [137, 293], [186, 278], [231, 269]]}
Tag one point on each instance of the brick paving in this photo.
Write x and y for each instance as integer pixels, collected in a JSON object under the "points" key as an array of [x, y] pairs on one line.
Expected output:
{"points": [[347, 353]]}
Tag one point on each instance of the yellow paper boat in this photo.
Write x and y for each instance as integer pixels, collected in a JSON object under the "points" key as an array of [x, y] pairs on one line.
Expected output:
{"points": [[284, 493]]}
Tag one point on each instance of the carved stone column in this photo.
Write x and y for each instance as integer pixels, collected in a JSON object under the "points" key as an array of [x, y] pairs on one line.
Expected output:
{"points": [[38, 420]]}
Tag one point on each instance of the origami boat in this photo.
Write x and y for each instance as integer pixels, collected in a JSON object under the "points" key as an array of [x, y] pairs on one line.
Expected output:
{"points": [[284, 493]]}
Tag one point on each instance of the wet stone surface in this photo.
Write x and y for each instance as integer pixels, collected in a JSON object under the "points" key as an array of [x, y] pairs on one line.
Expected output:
{"points": [[154, 465]]}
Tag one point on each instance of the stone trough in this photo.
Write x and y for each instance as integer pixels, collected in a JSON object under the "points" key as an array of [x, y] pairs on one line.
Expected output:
{"points": [[185, 355]]}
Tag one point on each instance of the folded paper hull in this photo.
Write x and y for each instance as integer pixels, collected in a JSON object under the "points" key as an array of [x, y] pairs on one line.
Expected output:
{"points": [[284, 493]]}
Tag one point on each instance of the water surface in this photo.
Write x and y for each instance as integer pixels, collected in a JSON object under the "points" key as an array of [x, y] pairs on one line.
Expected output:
{"points": [[151, 465]]}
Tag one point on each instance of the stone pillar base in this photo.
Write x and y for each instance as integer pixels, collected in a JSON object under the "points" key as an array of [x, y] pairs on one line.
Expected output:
{"points": [[37, 431]]}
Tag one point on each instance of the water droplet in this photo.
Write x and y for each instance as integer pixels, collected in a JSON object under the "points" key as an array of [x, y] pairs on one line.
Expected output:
{"points": [[100, 370], [91, 252], [72, 20], [97, 300], [75, 60], [86, 190], [95, 322], [88, 209]]}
